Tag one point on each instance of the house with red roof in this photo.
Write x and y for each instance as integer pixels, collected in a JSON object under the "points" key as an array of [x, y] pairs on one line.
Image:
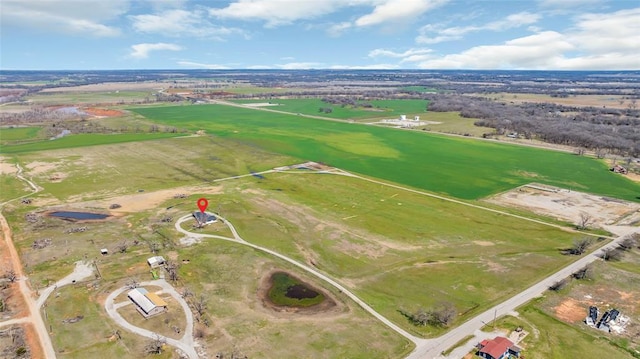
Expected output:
{"points": [[498, 348]]}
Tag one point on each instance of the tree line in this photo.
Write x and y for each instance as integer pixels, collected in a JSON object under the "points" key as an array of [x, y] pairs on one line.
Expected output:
{"points": [[616, 130]]}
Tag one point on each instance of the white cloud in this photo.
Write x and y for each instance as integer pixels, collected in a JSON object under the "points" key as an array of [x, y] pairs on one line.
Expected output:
{"points": [[365, 67], [141, 51], [397, 10], [301, 66], [433, 34], [276, 12], [408, 53], [603, 41], [568, 3], [166, 4], [618, 32], [336, 30], [77, 17], [539, 51], [197, 65], [178, 22], [284, 12]]}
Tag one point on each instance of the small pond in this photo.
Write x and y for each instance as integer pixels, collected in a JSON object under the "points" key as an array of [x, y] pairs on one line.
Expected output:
{"points": [[77, 215], [289, 291]]}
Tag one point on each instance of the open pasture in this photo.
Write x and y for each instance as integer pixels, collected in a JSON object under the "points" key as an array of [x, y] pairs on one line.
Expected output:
{"points": [[397, 250], [460, 167], [18, 134], [230, 284], [378, 109], [66, 96], [127, 168], [84, 140]]}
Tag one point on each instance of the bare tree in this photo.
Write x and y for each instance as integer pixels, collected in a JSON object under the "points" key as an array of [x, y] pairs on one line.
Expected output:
{"points": [[628, 243], [444, 314], [586, 272], [186, 293], [584, 221], [600, 152], [155, 345], [200, 332], [580, 246], [172, 269], [441, 315], [154, 247], [612, 254], [133, 283], [559, 285], [11, 275], [200, 305], [123, 246]]}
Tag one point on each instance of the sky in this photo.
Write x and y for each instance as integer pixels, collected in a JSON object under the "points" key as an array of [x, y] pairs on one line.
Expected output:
{"points": [[320, 34]]}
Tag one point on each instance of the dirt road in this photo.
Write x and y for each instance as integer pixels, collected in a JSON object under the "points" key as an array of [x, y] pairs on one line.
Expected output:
{"points": [[34, 317]]}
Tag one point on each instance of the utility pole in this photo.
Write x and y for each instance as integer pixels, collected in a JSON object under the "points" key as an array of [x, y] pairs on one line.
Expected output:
{"points": [[495, 314]]}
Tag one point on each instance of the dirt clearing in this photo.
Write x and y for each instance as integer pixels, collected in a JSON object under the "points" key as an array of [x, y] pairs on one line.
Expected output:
{"points": [[567, 205], [571, 311]]}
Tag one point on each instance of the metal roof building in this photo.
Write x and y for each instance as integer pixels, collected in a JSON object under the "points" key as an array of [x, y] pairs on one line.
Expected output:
{"points": [[148, 304]]}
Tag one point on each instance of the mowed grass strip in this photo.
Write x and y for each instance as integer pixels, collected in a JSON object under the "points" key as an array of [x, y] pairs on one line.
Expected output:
{"points": [[84, 140], [460, 167]]}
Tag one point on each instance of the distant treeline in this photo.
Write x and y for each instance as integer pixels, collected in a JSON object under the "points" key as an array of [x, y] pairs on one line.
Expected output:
{"points": [[614, 130]]}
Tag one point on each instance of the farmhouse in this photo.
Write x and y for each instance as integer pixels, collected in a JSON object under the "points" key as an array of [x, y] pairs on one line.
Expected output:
{"points": [[148, 304], [204, 218], [498, 348]]}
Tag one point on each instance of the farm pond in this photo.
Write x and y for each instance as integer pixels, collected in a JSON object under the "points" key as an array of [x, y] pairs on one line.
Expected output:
{"points": [[77, 216]]}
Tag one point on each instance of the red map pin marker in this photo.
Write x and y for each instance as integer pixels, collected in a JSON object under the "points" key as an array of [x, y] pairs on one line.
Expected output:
{"points": [[203, 204]]}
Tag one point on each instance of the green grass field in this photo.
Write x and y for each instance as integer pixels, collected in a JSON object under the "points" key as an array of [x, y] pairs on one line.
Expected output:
{"points": [[125, 168], [380, 109], [18, 134], [459, 167], [395, 249], [84, 140], [77, 98]]}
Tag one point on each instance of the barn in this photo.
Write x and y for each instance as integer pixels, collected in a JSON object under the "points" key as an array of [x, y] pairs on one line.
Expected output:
{"points": [[148, 304]]}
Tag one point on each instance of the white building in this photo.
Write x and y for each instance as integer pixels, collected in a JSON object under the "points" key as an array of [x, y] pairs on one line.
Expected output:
{"points": [[148, 304], [156, 261]]}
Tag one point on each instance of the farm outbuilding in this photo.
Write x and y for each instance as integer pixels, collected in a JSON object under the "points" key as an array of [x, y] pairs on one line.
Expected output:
{"points": [[148, 304], [155, 261]]}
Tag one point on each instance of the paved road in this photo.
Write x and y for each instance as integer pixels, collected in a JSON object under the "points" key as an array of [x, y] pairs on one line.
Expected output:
{"points": [[186, 344]]}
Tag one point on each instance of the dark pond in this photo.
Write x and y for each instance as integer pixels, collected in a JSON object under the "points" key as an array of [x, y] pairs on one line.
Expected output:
{"points": [[287, 290], [300, 291], [78, 215]]}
